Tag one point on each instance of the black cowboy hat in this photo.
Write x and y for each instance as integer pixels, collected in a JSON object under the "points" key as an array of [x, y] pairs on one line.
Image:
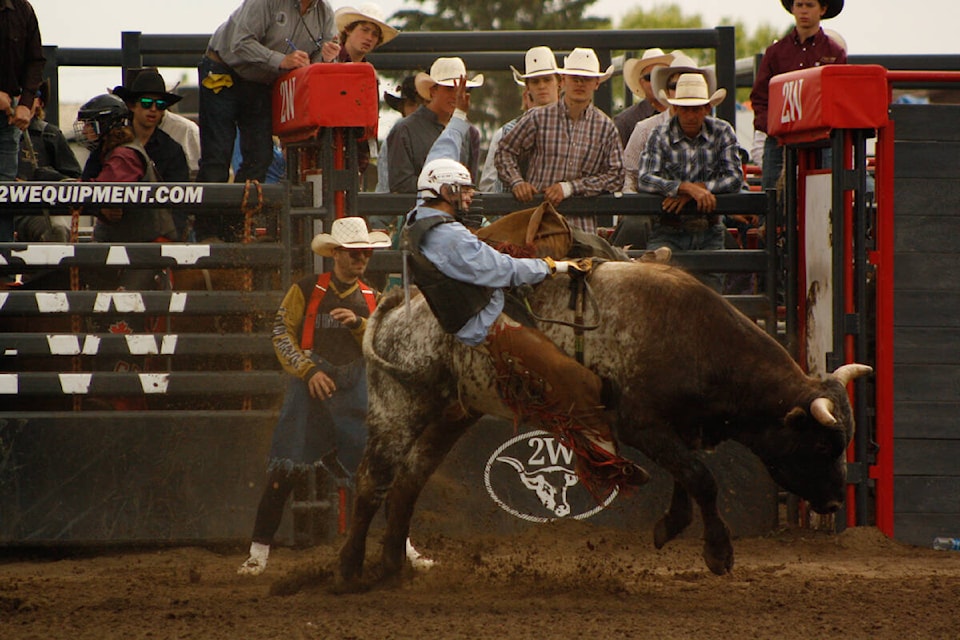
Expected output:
{"points": [[145, 81], [408, 93], [834, 7]]}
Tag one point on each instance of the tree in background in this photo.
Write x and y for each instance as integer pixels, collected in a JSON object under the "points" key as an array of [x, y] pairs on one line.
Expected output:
{"points": [[671, 16], [499, 99]]}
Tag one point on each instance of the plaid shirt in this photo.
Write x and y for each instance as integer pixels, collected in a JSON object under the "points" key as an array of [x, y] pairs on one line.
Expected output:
{"points": [[712, 158], [584, 152]]}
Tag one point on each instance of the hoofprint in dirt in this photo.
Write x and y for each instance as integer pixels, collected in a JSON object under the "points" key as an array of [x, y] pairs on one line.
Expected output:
{"points": [[561, 580]]}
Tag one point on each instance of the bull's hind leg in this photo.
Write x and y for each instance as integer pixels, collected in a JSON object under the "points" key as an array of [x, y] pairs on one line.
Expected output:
{"points": [[374, 475], [423, 458], [692, 478]]}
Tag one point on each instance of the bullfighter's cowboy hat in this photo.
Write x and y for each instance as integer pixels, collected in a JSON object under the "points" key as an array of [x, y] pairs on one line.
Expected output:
{"points": [[445, 72], [681, 63], [407, 93], [369, 12], [834, 7], [539, 61], [692, 92], [348, 233], [584, 62], [634, 67], [146, 81]]}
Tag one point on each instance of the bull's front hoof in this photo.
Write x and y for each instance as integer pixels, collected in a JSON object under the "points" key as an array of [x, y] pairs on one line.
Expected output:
{"points": [[719, 557]]}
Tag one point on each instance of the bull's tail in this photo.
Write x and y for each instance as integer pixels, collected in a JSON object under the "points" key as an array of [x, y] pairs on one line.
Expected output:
{"points": [[388, 303]]}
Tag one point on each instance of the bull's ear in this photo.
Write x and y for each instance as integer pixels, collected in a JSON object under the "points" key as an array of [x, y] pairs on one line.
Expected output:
{"points": [[794, 419]]}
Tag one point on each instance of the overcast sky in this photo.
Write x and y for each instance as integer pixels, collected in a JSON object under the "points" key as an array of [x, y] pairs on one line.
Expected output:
{"points": [[869, 26]]}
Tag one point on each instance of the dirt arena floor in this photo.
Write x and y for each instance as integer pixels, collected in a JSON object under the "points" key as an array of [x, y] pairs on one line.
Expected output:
{"points": [[554, 581]]}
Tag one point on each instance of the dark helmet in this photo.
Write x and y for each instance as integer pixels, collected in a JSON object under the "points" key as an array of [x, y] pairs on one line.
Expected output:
{"points": [[101, 114]]}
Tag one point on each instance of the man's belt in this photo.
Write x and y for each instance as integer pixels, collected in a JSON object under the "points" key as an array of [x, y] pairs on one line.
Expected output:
{"points": [[213, 55], [688, 223]]}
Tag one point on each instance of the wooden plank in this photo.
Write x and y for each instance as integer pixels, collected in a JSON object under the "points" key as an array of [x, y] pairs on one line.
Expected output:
{"points": [[927, 160], [925, 234], [918, 308], [938, 122], [927, 495], [923, 195], [157, 303], [17, 256], [926, 345], [921, 528], [175, 383], [928, 271], [926, 383], [13, 345], [926, 419], [914, 457]]}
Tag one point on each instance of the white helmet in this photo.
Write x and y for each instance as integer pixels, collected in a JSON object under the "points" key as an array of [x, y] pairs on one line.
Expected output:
{"points": [[439, 172]]}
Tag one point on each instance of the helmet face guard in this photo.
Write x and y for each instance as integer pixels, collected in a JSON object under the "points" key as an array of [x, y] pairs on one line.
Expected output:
{"points": [[97, 117]]}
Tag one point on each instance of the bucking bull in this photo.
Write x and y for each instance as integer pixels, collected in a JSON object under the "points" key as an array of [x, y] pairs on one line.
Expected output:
{"points": [[692, 371]]}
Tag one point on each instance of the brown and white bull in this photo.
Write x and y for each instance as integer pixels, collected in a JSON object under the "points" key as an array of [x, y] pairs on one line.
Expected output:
{"points": [[692, 372]]}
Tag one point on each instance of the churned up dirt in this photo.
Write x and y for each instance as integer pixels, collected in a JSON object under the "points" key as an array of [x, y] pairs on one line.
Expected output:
{"points": [[569, 580]]}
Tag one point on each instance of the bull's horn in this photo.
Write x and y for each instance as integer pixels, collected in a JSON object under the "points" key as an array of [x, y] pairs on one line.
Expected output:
{"points": [[849, 372], [822, 410]]}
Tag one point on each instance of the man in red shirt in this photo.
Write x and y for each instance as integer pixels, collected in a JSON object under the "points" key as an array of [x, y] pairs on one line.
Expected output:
{"points": [[805, 46]]}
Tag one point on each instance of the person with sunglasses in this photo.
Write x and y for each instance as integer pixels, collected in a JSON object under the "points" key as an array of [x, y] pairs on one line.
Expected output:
{"points": [[317, 335], [637, 75], [148, 100]]}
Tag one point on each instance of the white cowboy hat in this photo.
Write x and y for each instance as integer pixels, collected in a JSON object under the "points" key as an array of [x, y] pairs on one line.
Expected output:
{"points": [[633, 69], [692, 92], [682, 63], [539, 61], [584, 62], [445, 72], [345, 16], [348, 233]]}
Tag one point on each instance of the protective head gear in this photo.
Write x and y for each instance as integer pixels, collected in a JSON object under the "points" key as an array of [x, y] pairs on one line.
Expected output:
{"points": [[443, 178], [101, 114]]}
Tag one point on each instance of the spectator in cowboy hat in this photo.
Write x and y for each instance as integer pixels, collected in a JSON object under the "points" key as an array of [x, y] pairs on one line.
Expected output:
{"points": [[410, 140], [804, 47], [663, 81], [570, 147], [405, 101], [541, 87], [636, 75], [690, 159], [148, 100], [361, 31]]}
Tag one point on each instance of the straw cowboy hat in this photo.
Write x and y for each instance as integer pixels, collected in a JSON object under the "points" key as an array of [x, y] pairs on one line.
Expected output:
{"points": [[445, 72], [146, 81], [692, 92], [584, 62], [348, 233], [681, 63], [633, 69], [834, 7], [345, 16], [539, 61]]}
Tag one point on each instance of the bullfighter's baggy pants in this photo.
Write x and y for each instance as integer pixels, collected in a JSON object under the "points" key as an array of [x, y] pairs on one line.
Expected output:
{"points": [[545, 386]]}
